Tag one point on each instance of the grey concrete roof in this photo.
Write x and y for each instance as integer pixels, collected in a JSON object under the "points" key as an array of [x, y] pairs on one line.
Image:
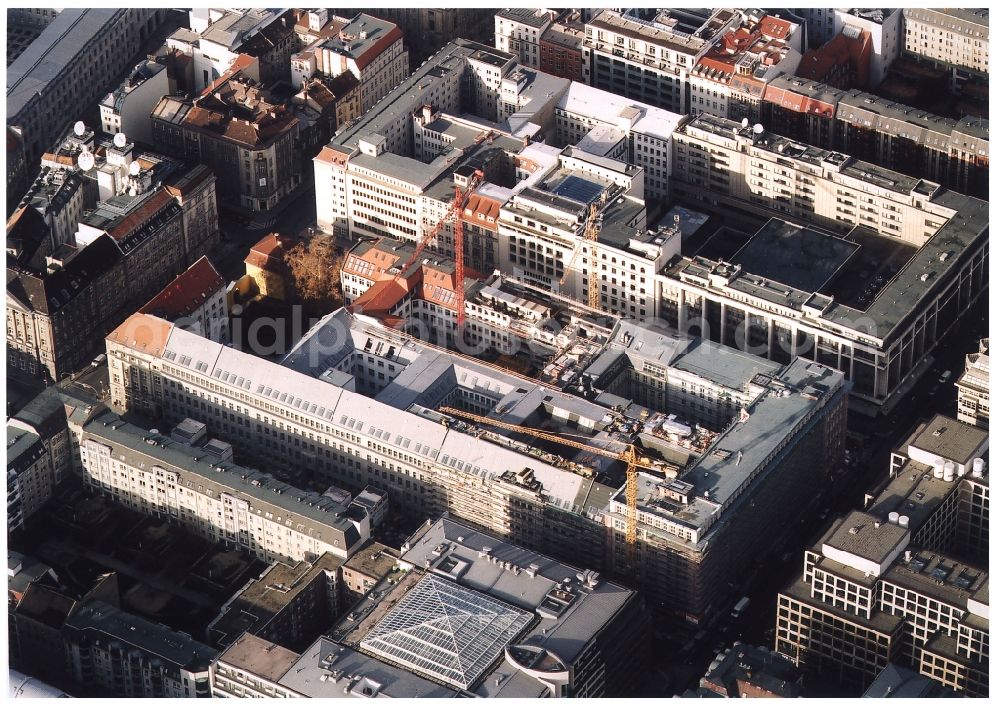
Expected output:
{"points": [[950, 438], [914, 492], [937, 576], [772, 416], [526, 16], [197, 467], [259, 657], [156, 639], [339, 665], [45, 59], [23, 449], [866, 535]]}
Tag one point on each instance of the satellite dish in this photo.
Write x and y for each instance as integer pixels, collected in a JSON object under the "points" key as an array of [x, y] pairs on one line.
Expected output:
{"points": [[746, 122], [134, 167], [120, 140], [758, 128], [79, 128], [85, 161]]}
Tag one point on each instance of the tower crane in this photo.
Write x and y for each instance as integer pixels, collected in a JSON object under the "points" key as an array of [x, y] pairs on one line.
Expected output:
{"points": [[629, 456], [454, 213], [591, 230]]}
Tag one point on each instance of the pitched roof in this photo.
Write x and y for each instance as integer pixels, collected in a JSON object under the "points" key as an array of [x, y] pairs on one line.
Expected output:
{"points": [[145, 332], [187, 292], [49, 293], [138, 217], [268, 253]]}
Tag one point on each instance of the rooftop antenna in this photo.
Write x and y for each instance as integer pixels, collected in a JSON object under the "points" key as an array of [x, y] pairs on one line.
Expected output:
{"points": [[79, 128], [758, 128], [85, 161], [134, 168], [746, 122], [120, 140]]}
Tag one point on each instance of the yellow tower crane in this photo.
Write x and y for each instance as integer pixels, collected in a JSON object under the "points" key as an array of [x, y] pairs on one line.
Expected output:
{"points": [[591, 230], [629, 456]]}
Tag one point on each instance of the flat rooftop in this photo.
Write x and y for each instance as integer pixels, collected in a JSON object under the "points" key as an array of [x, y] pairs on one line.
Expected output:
{"points": [[866, 535], [937, 576], [801, 257], [333, 671], [257, 656], [949, 438], [262, 599]]}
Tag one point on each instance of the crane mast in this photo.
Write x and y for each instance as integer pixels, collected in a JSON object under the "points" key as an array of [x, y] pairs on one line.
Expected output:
{"points": [[628, 456]]}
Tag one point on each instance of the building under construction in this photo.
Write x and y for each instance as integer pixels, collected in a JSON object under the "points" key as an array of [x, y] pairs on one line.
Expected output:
{"points": [[677, 504]]}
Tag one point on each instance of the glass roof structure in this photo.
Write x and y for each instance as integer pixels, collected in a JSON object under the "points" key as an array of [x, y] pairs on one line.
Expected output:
{"points": [[445, 631], [578, 189]]}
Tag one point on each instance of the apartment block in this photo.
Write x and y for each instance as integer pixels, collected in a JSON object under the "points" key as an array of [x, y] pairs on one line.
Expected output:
{"points": [[869, 596], [974, 387], [29, 477], [884, 27], [366, 47], [215, 41], [518, 31], [128, 656], [71, 63], [196, 301], [560, 47], [238, 130], [359, 375], [366, 568], [127, 108], [649, 54], [610, 126], [957, 39], [287, 605], [938, 488], [754, 51], [954, 153], [54, 417], [146, 219], [201, 489], [916, 254]]}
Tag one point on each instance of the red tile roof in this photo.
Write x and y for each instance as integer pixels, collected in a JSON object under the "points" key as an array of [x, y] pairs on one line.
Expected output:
{"points": [[383, 43], [842, 62], [268, 253], [382, 297], [187, 292], [144, 332], [773, 27], [141, 215], [480, 209]]}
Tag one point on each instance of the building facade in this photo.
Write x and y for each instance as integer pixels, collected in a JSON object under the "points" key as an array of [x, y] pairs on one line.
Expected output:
{"points": [[868, 597], [957, 39], [214, 498], [878, 337], [373, 375], [128, 656], [127, 108], [974, 388], [71, 64]]}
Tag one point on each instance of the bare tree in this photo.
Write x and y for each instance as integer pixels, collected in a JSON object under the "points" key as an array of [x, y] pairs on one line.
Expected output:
{"points": [[314, 268]]}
